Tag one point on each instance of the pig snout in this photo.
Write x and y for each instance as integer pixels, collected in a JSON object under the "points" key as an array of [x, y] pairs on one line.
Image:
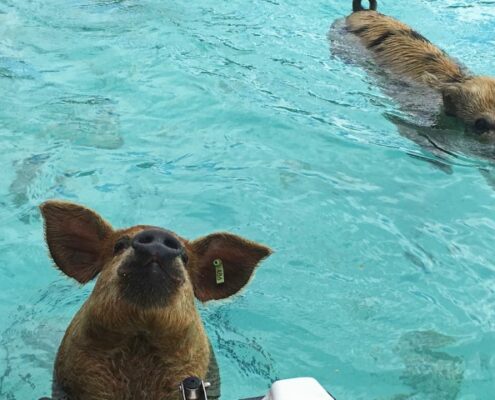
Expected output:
{"points": [[158, 245], [154, 270]]}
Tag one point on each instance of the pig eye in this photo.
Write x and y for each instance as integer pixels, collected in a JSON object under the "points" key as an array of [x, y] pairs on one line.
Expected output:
{"points": [[481, 125], [121, 244]]}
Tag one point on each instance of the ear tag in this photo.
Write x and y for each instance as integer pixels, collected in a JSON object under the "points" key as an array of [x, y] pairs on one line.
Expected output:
{"points": [[219, 273]]}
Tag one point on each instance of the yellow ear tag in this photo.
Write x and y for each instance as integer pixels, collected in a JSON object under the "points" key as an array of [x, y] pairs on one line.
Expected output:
{"points": [[219, 273]]}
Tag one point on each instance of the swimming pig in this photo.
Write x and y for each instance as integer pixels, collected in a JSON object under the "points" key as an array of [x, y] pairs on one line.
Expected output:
{"points": [[139, 334], [397, 47]]}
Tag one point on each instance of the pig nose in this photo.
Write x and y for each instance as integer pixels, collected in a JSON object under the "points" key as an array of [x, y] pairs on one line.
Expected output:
{"points": [[157, 243]]}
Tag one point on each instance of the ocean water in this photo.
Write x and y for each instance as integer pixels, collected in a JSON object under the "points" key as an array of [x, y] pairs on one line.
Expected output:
{"points": [[202, 116]]}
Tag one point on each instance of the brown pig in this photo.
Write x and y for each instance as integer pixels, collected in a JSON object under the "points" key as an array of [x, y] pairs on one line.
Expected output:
{"points": [[405, 52], [139, 334]]}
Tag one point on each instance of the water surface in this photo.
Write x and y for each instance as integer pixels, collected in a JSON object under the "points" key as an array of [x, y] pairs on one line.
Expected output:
{"points": [[206, 116]]}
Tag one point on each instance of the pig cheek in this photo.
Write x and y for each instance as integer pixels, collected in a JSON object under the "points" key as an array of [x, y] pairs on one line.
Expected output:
{"points": [[186, 291], [109, 274], [117, 262]]}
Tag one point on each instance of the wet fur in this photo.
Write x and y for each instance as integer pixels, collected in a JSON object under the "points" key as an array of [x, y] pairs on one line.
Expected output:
{"points": [[117, 351], [401, 49]]}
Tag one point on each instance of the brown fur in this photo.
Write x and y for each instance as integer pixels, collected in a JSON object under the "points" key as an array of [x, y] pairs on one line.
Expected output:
{"points": [[114, 349], [405, 52]]}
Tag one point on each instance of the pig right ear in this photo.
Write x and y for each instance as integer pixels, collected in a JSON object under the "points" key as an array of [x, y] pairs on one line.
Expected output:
{"points": [[75, 236], [451, 94]]}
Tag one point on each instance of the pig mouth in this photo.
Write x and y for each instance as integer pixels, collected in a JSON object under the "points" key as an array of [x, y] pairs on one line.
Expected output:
{"points": [[487, 137], [150, 282]]}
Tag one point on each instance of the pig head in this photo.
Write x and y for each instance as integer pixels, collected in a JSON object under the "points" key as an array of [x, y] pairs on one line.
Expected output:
{"points": [[139, 332]]}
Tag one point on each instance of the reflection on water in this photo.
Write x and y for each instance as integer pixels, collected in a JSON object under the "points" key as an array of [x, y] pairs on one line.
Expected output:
{"points": [[431, 373], [16, 69], [445, 147], [248, 357], [26, 172], [85, 121], [29, 345]]}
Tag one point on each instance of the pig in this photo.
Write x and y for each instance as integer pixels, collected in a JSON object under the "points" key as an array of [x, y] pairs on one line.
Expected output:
{"points": [[139, 334], [406, 53]]}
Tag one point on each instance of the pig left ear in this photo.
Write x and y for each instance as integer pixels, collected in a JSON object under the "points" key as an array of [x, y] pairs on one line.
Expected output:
{"points": [[75, 236], [221, 264]]}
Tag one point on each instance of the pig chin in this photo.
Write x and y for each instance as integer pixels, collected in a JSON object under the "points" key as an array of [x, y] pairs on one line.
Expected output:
{"points": [[150, 284]]}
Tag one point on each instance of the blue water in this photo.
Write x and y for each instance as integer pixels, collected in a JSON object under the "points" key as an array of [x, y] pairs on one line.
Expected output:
{"points": [[207, 115]]}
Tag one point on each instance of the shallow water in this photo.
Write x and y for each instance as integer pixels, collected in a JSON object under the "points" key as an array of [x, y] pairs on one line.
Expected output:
{"points": [[234, 116]]}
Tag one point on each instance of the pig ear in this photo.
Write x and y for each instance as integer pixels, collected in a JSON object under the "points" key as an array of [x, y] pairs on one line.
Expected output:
{"points": [[451, 94], [431, 80], [75, 236], [221, 264]]}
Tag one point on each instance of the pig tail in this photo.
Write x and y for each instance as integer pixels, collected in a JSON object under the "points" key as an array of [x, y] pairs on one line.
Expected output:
{"points": [[357, 6]]}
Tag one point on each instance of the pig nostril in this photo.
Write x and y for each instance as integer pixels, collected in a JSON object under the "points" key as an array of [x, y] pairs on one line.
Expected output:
{"points": [[157, 242], [146, 239], [171, 244]]}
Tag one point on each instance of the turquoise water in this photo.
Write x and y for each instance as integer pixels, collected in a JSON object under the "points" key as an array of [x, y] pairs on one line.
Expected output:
{"points": [[206, 116]]}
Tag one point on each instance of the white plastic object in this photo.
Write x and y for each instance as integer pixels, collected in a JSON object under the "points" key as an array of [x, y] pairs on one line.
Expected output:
{"points": [[297, 389]]}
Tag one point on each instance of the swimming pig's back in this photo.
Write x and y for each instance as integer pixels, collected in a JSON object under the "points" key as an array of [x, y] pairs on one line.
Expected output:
{"points": [[402, 50]]}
